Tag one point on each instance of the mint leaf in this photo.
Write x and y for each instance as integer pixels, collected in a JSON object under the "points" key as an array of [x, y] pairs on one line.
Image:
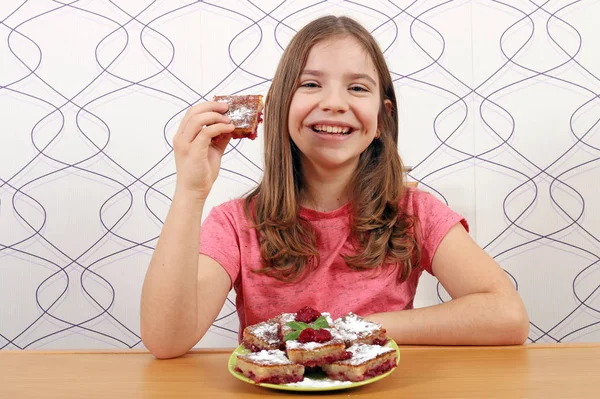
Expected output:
{"points": [[321, 322], [291, 336], [297, 325]]}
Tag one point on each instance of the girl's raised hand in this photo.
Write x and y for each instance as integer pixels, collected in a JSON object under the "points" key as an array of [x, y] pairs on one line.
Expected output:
{"points": [[199, 143]]}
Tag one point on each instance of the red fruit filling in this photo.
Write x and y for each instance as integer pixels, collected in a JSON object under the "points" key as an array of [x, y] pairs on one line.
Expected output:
{"points": [[312, 335], [253, 348], [380, 342], [275, 379]]}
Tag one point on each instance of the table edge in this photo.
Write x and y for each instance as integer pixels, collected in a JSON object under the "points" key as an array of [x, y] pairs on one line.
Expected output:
{"points": [[403, 348]]}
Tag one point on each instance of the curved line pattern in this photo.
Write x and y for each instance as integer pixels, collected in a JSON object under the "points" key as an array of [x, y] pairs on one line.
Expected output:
{"points": [[92, 275]]}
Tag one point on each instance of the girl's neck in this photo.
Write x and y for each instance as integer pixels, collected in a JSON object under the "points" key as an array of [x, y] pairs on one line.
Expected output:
{"points": [[325, 190]]}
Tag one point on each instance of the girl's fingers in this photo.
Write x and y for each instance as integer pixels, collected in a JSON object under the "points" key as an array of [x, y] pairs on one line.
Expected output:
{"points": [[221, 141], [212, 131], [198, 122], [209, 106]]}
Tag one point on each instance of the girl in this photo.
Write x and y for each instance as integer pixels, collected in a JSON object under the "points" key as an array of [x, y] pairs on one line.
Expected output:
{"points": [[332, 224]]}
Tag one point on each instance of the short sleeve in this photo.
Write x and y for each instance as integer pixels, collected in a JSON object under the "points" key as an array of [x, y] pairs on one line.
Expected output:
{"points": [[220, 241], [435, 220]]}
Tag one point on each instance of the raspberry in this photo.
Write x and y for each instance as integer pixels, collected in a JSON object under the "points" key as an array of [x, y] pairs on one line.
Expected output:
{"points": [[307, 315], [322, 335], [307, 335], [312, 335]]}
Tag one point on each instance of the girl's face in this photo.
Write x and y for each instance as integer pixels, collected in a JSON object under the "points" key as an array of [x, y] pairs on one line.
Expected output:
{"points": [[333, 113]]}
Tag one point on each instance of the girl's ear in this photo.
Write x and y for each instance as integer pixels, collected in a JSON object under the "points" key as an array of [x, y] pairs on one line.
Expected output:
{"points": [[388, 106]]}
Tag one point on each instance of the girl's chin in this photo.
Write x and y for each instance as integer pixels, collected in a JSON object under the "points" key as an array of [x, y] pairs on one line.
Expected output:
{"points": [[331, 162]]}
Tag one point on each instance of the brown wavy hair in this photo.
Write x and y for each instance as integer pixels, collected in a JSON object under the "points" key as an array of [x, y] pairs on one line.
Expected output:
{"points": [[382, 233]]}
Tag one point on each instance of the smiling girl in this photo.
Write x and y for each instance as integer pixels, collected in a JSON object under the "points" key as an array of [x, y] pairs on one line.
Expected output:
{"points": [[332, 224]]}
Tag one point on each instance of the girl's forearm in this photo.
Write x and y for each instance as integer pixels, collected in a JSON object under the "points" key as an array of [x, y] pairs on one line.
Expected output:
{"points": [[169, 297], [475, 319]]}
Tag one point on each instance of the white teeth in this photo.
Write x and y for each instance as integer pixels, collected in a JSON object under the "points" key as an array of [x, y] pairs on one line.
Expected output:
{"points": [[332, 129]]}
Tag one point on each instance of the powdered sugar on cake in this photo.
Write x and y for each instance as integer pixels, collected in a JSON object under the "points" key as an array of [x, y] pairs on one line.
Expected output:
{"points": [[351, 326], [293, 344], [307, 346], [268, 332], [242, 116], [245, 113], [287, 317], [362, 353], [263, 357]]}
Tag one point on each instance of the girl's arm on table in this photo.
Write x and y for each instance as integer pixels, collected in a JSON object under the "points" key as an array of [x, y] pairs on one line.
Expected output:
{"points": [[485, 308], [183, 291]]}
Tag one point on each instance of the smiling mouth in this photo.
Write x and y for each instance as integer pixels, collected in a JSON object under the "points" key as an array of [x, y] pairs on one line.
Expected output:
{"points": [[336, 130]]}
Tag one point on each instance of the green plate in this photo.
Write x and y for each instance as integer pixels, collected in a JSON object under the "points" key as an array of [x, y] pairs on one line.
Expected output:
{"points": [[314, 381]]}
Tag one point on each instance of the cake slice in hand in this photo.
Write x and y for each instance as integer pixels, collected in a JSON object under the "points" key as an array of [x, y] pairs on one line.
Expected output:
{"points": [[271, 367], [245, 112], [367, 361]]}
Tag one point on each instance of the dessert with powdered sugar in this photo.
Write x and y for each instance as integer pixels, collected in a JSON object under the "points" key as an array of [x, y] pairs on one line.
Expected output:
{"points": [[271, 367], [264, 335], [245, 112], [283, 319], [347, 349], [316, 348], [367, 361], [353, 329]]}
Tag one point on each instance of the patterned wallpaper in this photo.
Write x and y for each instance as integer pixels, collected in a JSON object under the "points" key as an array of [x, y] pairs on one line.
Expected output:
{"points": [[499, 118]]}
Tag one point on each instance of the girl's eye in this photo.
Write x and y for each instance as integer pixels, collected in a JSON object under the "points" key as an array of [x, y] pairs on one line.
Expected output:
{"points": [[309, 84], [358, 88]]}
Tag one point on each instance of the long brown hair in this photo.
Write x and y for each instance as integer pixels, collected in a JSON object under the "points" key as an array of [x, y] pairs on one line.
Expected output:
{"points": [[381, 232]]}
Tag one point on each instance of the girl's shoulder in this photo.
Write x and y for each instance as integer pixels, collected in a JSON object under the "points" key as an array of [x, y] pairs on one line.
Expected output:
{"points": [[431, 212], [415, 201]]}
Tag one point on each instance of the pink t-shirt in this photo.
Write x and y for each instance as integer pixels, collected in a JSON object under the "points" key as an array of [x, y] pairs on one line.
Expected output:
{"points": [[332, 287]]}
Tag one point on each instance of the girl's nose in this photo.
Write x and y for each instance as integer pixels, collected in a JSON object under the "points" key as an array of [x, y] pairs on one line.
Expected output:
{"points": [[333, 101]]}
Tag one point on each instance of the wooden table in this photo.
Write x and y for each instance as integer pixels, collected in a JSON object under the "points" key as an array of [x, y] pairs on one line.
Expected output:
{"points": [[534, 371]]}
